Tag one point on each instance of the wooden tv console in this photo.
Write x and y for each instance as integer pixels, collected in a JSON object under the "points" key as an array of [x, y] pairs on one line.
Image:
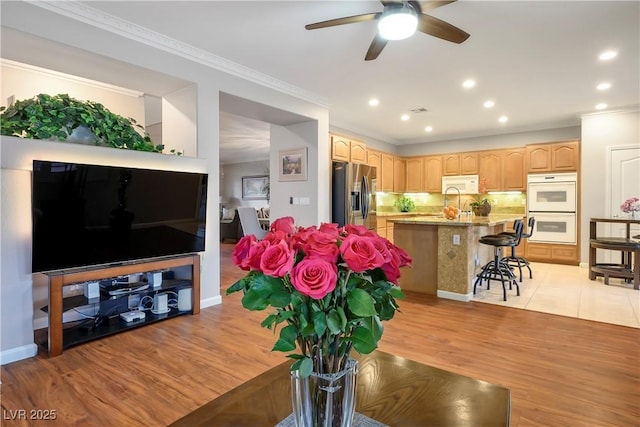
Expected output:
{"points": [[58, 280]]}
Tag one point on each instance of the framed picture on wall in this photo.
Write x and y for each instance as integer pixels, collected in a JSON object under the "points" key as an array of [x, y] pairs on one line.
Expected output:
{"points": [[255, 187], [292, 165]]}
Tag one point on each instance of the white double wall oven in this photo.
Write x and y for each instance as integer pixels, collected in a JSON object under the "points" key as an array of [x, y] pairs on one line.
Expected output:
{"points": [[552, 200]]}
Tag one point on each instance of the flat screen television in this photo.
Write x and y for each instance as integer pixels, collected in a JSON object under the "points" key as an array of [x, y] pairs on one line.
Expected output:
{"points": [[88, 215]]}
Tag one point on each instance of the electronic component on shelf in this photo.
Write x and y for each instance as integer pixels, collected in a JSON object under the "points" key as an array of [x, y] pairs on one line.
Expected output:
{"points": [[131, 316], [128, 289]]}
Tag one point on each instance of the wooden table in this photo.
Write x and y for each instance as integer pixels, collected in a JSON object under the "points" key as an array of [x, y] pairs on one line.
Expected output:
{"points": [[392, 390], [629, 267]]}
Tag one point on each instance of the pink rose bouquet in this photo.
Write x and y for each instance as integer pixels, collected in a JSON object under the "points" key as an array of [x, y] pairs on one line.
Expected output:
{"points": [[330, 288], [632, 204]]}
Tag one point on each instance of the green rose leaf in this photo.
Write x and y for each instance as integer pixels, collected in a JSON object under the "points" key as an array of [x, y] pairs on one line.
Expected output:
{"points": [[319, 323], [280, 299], [304, 366], [334, 322], [252, 300], [287, 340], [363, 340], [269, 321], [361, 303], [396, 292]]}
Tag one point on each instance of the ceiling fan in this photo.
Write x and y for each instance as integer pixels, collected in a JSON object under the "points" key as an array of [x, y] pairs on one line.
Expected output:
{"points": [[411, 15]]}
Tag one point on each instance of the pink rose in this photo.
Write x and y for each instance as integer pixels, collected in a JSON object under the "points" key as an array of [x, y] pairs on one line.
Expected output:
{"points": [[322, 245], [286, 224], [241, 251], [314, 277], [277, 260], [330, 228], [275, 237], [391, 272], [360, 230], [401, 258], [381, 246], [360, 254], [299, 240], [255, 253]]}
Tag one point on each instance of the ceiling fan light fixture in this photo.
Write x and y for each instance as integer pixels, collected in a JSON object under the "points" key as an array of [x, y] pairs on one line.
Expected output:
{"points": [[398, 23]]}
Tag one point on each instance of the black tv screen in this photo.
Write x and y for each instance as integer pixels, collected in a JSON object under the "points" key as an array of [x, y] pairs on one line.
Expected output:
{"points": [[88, 215]]}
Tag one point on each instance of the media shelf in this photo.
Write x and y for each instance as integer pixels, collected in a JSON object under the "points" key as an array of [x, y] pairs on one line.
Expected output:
{"points": [[60, 338]]}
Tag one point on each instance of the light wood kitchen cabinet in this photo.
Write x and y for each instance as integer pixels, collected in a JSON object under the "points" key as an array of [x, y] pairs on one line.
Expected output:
{"points": [[399, 175], [358, 152], [565, 156], [432, 174], [514, 177], [386, 177], [348, 150], [468, 163], [553, 157], [415, 173], [552, 253], [451, 164], [340, 148], [374, 158], [490, 169], [381, 227]]}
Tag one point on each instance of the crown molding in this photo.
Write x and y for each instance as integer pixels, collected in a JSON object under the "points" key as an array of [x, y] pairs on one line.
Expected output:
{"points": [[69, 77], [622, 110], [96, 18]]}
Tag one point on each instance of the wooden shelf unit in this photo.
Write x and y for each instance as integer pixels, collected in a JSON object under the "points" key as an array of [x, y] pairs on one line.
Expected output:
{"points": [[58, 280]]}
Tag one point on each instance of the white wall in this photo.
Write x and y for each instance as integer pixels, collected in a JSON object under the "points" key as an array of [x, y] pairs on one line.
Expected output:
{"points": [[491, 142], [292, 137], [231, 183], [179, 121], [56, 32], [25, 82], [600, 132]]}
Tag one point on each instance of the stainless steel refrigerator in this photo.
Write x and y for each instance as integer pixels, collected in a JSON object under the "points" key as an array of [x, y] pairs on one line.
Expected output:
{"points": [[353, 194]]}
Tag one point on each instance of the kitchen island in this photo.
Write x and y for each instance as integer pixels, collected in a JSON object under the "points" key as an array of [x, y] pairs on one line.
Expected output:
{"points": [[446, 254]]}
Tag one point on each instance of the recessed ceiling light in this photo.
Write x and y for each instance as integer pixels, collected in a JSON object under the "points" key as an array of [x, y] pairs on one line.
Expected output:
{"points": [[428, 129], [489, 103], [601, 106], [468, 84], [404, 117], [374, 102], [503, 119], [603, 86], [608, 55]]}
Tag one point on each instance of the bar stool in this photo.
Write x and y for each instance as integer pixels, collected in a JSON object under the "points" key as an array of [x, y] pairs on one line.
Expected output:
{"points": [[517, 261], [498, 269]]}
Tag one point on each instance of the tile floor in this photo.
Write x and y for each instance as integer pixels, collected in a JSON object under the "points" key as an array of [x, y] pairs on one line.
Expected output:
{"points": [[567, 291]]}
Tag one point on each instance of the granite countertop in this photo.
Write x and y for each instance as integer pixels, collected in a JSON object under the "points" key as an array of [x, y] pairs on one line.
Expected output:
{"points": [[407, 214], [463, 220]]}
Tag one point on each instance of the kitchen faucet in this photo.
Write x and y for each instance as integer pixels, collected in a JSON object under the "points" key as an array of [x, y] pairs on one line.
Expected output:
{"points": [[459, 196]]}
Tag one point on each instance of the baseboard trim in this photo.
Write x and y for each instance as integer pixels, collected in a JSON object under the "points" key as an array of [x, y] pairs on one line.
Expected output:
{"points": [[455, 296], [208, 302], [18, 353]]}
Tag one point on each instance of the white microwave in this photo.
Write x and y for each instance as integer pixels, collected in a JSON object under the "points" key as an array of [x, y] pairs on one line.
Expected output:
{"points": [[467, 184]]}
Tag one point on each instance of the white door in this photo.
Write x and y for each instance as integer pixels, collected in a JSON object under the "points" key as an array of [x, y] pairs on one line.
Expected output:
{"points": [[624, 179]]}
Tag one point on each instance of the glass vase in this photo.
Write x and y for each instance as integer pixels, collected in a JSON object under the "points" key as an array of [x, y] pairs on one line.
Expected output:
{"points": [[325, 400]]}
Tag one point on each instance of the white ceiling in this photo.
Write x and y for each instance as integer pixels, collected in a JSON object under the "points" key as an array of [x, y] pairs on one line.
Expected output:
{"points": [[537, 60]]}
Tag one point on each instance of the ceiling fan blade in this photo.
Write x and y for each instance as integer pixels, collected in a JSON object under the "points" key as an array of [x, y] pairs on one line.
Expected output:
{"points": [[443, 30], [345, 20], [375, 48], [426, 6]]}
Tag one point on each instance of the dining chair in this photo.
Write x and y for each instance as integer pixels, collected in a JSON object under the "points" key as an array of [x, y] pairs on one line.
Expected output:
{"points": [[250, 223]]}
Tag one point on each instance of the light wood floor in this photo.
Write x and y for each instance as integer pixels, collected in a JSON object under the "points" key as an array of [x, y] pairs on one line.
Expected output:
{"points": [[562, 371]]}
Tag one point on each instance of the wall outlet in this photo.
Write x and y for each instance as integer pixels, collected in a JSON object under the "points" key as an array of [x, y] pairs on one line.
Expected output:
{"points": [[456, 239]]}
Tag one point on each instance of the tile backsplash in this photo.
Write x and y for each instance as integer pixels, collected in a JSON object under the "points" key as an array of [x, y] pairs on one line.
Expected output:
{"points": [[429, 203]]}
